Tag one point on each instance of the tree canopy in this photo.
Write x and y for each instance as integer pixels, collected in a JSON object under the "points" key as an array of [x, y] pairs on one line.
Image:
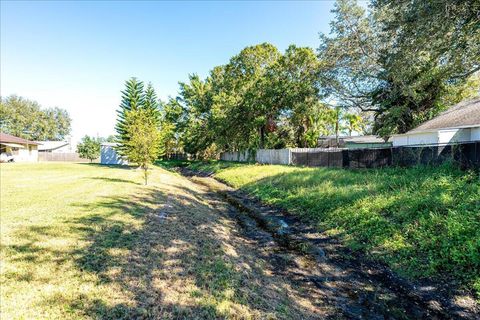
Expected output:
{"points": [[260, 99], [379, 71], [26, 119], [139, 138], [402, 58], [89, 148]]}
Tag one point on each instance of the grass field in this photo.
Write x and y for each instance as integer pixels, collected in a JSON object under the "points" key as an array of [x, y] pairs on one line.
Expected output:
{"points": [[81, 241], [423, 222]]}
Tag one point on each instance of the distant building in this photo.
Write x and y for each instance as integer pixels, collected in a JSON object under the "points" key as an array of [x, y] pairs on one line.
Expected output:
{"points": [[363, 142], [460, 123], [353, 142], [108, 155], [18, 149], [58, 146]]}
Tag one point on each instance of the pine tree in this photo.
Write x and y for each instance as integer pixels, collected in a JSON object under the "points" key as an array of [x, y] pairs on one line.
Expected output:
{"points": [[151, 104], [138, 125], [133, 99]]}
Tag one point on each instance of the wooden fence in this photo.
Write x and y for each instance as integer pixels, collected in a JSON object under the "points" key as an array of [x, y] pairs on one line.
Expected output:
{"points": [[64, 156], [467, 155]]}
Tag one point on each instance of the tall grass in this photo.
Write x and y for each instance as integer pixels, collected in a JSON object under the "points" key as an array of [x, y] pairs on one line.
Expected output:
{"points": [[422, 221]]}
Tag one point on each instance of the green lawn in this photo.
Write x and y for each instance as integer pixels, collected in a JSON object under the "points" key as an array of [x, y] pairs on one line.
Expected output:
{"points": [[50, 213], [82, 241], [421, 221]]}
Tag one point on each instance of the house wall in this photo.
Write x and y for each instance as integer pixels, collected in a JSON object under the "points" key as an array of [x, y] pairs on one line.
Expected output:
{"points": [[415, 138], [28, 154], [109, 156], [475, 134], [454, 135], [366, 145]]}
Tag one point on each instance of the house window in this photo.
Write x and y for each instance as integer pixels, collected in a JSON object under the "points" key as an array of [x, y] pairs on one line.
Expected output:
{"points": [[30, 150], [15, 151]]}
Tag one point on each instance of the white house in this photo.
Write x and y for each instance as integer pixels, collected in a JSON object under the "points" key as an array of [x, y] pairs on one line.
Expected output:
{"points": [[66, 146], [18, 149], [108, 155], [460, 123]]}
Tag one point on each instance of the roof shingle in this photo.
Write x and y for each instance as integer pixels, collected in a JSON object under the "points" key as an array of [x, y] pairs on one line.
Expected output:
{"points": [[12, 139], [463, 114]]}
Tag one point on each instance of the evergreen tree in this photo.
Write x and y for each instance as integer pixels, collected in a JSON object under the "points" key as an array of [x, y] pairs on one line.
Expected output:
{"points": [[151, 103], [133, 99], [139, 137]]}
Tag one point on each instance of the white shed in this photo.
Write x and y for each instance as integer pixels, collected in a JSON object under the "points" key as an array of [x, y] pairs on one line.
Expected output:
{"points": [[460, 123], [108, 155]]}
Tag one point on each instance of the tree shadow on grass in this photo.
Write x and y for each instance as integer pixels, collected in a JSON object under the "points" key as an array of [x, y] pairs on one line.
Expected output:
{"points": [[106, 179], [166, 255], [111, 166]]}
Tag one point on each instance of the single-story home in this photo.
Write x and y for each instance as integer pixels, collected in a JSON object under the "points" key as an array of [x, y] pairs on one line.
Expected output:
{"points": [[57, 146], [18, 149], [108, 155], [460, 123], [354, 142], [364, 142]]}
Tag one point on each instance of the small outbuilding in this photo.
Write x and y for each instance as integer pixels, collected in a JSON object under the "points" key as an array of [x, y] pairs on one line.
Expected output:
{"points": [[108, 155], [460, 123]]}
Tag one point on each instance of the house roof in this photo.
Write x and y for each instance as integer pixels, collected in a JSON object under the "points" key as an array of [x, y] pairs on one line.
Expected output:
{"points": [[465, 114], [363, 139], [356, 139], [51, 145], [12, 139]]}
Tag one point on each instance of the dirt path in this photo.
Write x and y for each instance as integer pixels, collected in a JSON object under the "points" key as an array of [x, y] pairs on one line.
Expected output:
{"points": [[351, 290]]}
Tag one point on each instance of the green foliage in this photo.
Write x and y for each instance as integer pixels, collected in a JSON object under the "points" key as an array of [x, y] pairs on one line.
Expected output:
{"points": [[260, 99], [89, 148], [26, 119], [133, 98], [151, 102], [423, 221], [143, 145], [380, 66], [139, 137], [402, 59]]}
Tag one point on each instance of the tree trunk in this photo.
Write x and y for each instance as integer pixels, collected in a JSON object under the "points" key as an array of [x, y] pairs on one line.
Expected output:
{"points": [[336, 132], [145, 174], [262, 137]]}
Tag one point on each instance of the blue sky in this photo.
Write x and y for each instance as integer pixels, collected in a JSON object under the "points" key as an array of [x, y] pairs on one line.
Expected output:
{"points": [[77, 55]]}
